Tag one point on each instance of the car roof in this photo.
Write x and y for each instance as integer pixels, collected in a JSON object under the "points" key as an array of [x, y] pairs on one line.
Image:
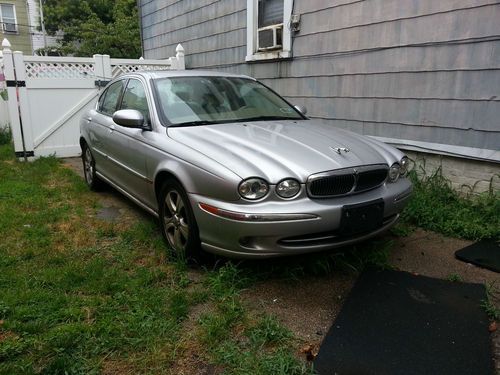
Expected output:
{"points": [[155, 74]]}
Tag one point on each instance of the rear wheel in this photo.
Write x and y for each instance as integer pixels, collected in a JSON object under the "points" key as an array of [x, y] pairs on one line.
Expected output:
{"points": [[177, 221], [89, 171]]}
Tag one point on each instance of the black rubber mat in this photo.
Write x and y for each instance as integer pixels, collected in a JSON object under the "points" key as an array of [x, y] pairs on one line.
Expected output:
{"points": [[485, 254], [397, 323]]}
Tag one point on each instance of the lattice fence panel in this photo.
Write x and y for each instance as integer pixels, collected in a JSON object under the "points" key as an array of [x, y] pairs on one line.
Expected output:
{"points": [[118, 70], [59, 70]]}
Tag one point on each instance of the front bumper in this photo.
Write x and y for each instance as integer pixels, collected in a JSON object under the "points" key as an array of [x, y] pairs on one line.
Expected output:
{"points": [[320, 231]]}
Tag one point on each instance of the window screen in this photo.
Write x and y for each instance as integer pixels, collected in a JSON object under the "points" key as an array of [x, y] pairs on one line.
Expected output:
{"points": [[270, 12], [7, 12]]}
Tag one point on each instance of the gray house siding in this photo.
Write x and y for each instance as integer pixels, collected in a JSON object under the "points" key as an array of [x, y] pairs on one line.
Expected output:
{"points": [[423, 74]]}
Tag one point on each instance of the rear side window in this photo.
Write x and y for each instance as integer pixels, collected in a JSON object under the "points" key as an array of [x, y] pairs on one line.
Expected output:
{"points": [[108, 103]]}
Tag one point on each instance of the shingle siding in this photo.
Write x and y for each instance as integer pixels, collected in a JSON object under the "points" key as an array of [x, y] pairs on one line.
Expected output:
{"points": [[415, 70]]}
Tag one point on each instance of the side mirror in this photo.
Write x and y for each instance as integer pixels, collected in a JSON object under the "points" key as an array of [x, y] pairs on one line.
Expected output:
{"points": [[130, 118], [301, 109]]}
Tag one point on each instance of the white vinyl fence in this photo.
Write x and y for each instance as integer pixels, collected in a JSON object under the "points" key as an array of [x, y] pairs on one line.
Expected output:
{"points": [[4, 111], [47, 96]]}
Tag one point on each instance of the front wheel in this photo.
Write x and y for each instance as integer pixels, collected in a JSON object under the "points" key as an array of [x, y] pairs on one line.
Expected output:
{"points": [[89, 170], [177, 221]]}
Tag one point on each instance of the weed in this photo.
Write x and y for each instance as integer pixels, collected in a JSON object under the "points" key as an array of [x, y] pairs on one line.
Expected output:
{"points": [[436, 206], [268, 331], [454, 277], [402, 229], [5, 135], [489, 305]]}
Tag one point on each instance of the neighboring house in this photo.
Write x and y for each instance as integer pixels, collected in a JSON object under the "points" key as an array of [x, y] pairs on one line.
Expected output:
{"points": [[20, 24], [15, 25], [421, 74], [38, 39]]}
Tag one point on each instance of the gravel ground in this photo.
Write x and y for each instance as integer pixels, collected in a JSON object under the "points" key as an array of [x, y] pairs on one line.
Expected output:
{"points": [[309, 306]]}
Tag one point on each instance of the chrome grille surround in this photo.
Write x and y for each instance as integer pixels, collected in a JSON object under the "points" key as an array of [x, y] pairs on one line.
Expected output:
{"points": [[346, 181]]}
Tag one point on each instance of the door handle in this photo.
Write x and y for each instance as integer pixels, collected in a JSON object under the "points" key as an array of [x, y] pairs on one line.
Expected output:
{"points": [[89, 119], [111, 128]]}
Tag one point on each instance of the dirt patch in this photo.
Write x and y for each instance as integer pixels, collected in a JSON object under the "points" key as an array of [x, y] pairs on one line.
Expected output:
{"points": [[7, 335], [431, 254], [307, 306]]}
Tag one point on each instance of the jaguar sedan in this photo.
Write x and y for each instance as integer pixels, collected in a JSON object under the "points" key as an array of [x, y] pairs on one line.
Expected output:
{"points": [[230, 167]]}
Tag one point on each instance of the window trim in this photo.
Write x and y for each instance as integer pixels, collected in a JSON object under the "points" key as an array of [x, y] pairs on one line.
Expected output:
{"points": [[252, 26], [15, 19]]}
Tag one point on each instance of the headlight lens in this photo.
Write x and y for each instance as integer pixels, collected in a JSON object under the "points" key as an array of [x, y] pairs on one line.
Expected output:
{"points": [[394, 172], [404, 165], [253, 188], [288, 188]]}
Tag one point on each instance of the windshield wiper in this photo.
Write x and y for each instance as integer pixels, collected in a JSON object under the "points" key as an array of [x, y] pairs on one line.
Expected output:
{"points": [[266, 118], [194, 123]]}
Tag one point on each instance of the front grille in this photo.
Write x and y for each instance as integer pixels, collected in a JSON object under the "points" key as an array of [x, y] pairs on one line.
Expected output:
{"points": [[333, 185], [346, 181], [370, 179]]}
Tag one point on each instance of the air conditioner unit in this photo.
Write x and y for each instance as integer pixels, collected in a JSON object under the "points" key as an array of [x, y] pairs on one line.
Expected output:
{"points": [[270, 37], [9, 27]]}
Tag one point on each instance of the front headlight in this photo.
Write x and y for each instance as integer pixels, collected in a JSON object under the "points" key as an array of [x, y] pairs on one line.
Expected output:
{"points": [[288, 188], [253, 188], [404, 165], [394, 172]]}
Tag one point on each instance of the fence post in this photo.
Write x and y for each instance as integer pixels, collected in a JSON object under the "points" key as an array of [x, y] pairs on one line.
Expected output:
{"points": [[107, 70], [102, 69], [24, 107], [12, 101], [179, 55]]}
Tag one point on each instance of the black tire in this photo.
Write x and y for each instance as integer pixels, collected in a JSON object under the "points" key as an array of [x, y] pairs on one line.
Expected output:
{"points": [[177, 221], [89, 171]]}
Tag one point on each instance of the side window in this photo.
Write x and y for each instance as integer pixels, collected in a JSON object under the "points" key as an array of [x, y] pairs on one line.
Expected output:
{"points": [[135, 98], [108, 103]]}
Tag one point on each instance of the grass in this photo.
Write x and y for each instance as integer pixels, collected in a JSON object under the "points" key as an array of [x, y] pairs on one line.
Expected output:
{"points": [[5, 135], [489, 304], [83, 296], [437, 207]]}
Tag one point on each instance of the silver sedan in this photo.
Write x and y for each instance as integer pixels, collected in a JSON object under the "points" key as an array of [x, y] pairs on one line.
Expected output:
{"points": [[230, 167]]}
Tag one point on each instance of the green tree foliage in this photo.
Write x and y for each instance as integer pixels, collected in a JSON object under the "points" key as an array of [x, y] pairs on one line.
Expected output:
{"points": [[95, 26]]}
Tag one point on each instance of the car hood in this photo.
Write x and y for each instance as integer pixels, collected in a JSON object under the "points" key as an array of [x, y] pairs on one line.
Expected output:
{"points": [[278, 149]]}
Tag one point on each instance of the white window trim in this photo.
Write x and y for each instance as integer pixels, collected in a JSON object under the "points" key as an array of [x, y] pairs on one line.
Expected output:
{"points": [[15, 19], [252, 25]]}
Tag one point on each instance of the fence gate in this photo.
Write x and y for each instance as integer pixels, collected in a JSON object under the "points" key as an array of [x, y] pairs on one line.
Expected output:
{"points": [[48, 95]]}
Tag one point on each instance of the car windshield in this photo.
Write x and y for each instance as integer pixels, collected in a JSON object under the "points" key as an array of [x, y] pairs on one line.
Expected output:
{"points": [[189, 101]]}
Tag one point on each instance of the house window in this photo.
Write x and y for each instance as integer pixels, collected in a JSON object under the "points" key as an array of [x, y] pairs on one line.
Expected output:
{"points": [[268, 29], [8, 18]]}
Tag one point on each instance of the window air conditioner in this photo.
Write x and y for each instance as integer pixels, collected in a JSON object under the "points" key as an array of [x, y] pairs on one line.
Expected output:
{"points": [[9, 27], [270, 37]]}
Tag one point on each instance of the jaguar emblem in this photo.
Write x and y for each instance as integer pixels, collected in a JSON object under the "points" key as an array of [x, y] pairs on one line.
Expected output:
{"points": [[339, 150]]}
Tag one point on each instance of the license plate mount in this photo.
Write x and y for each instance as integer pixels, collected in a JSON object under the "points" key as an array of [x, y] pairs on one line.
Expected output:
{"points": [[362, 217]]}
